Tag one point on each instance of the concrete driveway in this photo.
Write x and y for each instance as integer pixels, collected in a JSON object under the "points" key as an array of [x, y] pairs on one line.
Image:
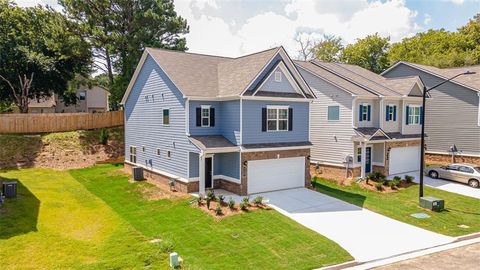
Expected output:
{"points": [[364, 234], [446, 185]]}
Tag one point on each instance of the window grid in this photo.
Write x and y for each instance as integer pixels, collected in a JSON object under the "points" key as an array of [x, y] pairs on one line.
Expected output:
{"points": [[414, 115], [205, 117], [277, 119], [133, 154]]}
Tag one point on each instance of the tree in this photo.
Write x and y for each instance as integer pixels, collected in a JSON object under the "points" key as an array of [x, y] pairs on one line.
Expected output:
{"points": [[471, 34], [329, 49], [119, 31], [306, 47], [369, 52], [39, 52]]}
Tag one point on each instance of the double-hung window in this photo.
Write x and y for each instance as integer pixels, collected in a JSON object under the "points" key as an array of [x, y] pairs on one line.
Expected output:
{"points": [[364, 113], [133, 154], [277, 118], [205, 116], [359, 154], [166, 116], [414, 115]]}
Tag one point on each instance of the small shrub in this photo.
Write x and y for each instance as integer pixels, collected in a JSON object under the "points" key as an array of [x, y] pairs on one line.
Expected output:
{"points": [[394, 183], [370, 176], [208, 200], [258, 200], [231, 203], [199, 200], [379, 186], [243, 206], [409, 179], [218, 210], [246, 200], [221, 199], [103, 136], [211, 195], [397, 178]]}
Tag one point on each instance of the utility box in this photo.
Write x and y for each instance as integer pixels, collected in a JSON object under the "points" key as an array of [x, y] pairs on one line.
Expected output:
{"points": [[9, 189], [174, 262], [137, 173], [432, 203]]}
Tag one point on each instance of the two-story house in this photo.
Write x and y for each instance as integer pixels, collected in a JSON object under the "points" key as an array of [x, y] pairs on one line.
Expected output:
{"points": [[362, 122], [453, 111], [240, 124]]}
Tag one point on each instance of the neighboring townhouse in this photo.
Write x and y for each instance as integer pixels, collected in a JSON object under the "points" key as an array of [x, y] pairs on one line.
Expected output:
{"points": [[453, 113], [362, 122], [94, 99], [201, 121]]}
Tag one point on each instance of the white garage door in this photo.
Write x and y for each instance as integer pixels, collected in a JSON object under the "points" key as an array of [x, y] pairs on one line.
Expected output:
{"points": [[404, 159], [274, 174]]}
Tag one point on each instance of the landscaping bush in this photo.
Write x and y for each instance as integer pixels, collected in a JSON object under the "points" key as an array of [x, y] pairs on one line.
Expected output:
{"points": [[397, 178], [409, 179], [199, 200], [103, 136], [258, 200], [211, 194], [379, 186], [208, 200], [394, 183], [243, 206], [246, 200], [218, 210], [221, 199], [370, 176], [231, 203]]}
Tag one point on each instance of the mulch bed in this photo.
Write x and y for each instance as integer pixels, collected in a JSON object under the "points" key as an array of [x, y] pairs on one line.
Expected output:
{"points": [[386, 189], [226, 211]]}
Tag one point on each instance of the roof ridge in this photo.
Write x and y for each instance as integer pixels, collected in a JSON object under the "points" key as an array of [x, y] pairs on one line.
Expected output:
{"points": [[247, 55], [192, 53]]}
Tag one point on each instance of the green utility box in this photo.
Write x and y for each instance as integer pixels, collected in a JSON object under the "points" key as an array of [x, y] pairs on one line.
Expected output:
{"points": [[432, 203]]}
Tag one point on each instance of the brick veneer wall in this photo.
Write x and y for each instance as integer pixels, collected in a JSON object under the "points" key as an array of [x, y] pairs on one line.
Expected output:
{"points": [[227, 185], [445, 159], [333, 172], [163, 180], [247, 156], [395, 145]]}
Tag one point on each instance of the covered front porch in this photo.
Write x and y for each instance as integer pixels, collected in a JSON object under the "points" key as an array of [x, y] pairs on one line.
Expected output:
{"points": [[216, 165]]}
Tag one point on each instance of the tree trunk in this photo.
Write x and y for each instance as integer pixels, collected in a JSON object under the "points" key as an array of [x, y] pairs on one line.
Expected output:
{"points": [[109, 67]]}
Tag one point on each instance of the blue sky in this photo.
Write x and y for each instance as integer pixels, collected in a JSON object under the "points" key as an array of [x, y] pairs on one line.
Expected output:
{"points": [[238, 27]]}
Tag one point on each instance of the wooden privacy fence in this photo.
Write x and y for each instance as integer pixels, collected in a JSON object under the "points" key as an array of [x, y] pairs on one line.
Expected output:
{"points": [[56, 122]]}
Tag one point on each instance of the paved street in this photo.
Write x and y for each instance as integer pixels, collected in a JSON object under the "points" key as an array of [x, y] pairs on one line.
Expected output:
{"points": [[446, 185]]}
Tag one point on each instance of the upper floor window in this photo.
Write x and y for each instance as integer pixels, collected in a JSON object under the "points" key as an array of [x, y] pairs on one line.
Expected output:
{"points": [[133, 154], [414, 115], [205, 116], [333, 113], [391, 113], [277, 118], [278, 76], [166, 116], [82, 95], [364, 112]]}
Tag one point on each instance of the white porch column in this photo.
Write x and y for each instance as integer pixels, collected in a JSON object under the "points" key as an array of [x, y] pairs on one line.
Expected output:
{"points": [[364, 159], [201, 182]]}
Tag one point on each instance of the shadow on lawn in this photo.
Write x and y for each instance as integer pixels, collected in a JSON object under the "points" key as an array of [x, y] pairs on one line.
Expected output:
{"points": [[20, 215], [353, 198]]}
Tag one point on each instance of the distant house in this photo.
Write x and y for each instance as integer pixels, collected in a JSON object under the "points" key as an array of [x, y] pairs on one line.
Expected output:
{"points": [[453, 112], [88, 100], [240, 124]]}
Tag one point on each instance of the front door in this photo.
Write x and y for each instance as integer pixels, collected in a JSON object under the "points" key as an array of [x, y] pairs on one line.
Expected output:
{"points": [[368, 159], [208, 172]]}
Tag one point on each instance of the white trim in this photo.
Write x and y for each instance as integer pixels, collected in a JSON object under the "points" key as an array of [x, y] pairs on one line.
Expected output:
{"points": [[381, 131], [277, 118], [134, 77], [222, 150], [409, 114], [354, 105], [328, 81], [275, 98], [275, 148], [261, 71], [289, 77], [227, 178], [403, 123], [205, 107], [332, 163], [450, 154], [167, 174], [292, 65], [278, 76], [194, 179], [429, 72], [225, 98]]}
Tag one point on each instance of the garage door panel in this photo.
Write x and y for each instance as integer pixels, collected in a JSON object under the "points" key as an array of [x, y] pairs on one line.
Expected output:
{"points": [[404, 159], [275, 174]]}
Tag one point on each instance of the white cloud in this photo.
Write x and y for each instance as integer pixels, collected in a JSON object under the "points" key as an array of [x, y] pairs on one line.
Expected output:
{"points": [[457, 2], [427, 19]]}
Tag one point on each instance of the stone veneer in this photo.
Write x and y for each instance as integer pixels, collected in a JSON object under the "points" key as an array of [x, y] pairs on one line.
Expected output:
{"points": [[445, 159], [247, 156], [163, 180], [396, 144]]}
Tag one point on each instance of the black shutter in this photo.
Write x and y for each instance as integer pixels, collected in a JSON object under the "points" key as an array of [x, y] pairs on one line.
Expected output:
{"points": [[199, 117], [290, 119], [212, 117], [264, 119]]}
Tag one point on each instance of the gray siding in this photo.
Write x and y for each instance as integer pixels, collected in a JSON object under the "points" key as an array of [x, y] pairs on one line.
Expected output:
{"points": [[271, 85], [332, 140], [252, 123], [451, 114], [392, 126], [227, 164], [374, 113], [143, 122]]}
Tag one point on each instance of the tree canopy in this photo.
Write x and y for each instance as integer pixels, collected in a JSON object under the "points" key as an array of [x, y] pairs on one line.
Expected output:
{"points": [[369, 52], [40, 53], [329, 49]]}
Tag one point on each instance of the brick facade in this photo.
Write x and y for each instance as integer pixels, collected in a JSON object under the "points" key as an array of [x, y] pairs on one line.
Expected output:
{"points": [[163, 180], [445, 159], [248, 156], [227, 185], [395, 144], [333, 172]]}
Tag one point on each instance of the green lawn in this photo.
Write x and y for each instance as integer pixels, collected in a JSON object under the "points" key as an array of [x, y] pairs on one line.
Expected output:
{"points": [[94, 218], [460, 210]]}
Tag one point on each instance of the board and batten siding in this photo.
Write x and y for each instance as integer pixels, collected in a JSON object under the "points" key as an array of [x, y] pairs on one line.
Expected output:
{"points": [[451, 115], [252, 123], [144, 122], [270, 85], [332, 140]]}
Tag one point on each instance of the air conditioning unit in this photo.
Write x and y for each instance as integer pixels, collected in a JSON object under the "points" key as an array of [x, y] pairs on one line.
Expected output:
{"points": [[432, 203], [137, 173]]}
